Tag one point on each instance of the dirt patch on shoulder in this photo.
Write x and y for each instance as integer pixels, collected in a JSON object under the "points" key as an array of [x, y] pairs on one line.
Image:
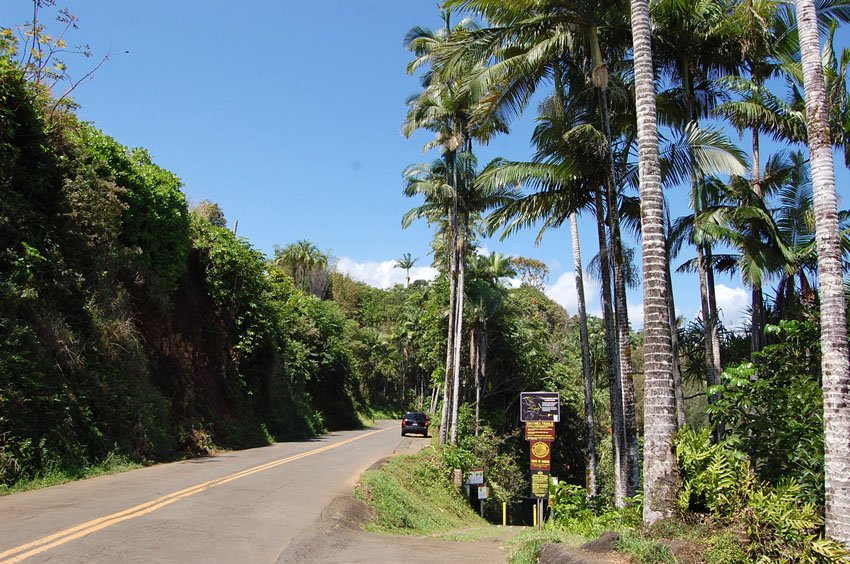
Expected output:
{"points": [[338, 536], [598, 551], [605, 543]]}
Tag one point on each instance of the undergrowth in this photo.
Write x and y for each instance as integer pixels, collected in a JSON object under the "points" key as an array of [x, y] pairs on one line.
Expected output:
{"points": [[413, 495], [53, 477], [525, 547]]}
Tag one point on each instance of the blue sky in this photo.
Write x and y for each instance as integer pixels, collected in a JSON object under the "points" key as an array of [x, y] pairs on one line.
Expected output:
{"points": [[288, 115]]}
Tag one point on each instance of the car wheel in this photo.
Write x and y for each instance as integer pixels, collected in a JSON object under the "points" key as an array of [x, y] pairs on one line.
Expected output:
{"points": [[402, 433]]}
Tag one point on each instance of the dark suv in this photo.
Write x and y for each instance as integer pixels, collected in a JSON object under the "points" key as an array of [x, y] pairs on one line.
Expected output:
{"points": [[415, 422]]}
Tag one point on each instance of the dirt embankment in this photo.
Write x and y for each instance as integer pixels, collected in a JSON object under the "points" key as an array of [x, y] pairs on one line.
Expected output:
{"points": [[338, 536]]}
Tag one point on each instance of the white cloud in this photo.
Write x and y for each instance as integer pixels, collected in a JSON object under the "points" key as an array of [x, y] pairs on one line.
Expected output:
{"points": [[382, 274], [733, 304], [563, 291], [636, 316]]}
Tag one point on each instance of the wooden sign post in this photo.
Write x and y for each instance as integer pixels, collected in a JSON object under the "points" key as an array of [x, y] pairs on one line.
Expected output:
{"points": [[540, 411]]}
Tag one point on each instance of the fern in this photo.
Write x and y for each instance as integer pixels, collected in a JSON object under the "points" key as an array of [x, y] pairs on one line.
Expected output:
{"points": [[779, 526]]}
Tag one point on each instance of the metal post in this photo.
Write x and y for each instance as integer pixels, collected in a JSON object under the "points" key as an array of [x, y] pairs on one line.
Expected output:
{"points": [[534, 513], [481, 504], [540, 514], [504, 514]]}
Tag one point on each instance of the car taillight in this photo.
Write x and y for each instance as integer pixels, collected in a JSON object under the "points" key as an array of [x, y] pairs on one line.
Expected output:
{"points": [[427, 422], [404, 421]]}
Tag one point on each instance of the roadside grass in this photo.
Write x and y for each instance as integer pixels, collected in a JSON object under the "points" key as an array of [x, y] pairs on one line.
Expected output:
{"points": [[368, 418], [525, 547], [114, 464], [412, 495], [643, 550], [472, 535]]}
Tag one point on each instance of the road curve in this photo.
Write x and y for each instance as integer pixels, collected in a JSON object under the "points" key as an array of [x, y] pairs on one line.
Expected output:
{"points": [[238, 506]]}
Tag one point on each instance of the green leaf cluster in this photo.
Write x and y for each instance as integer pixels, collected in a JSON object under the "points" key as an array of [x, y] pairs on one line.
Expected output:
{"points": [[778, 525], [773, 408]]}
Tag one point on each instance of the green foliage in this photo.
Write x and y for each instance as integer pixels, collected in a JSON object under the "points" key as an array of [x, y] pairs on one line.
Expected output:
{"points": [[773, 408], [779, 526], [525, 547], [572, 511], [645, 551], [156, 220], [234, 274], [413, 495], [723, 548], [716, 477]]}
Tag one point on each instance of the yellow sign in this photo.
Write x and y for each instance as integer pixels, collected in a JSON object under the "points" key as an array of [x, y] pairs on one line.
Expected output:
{"points": [[540, 484]]}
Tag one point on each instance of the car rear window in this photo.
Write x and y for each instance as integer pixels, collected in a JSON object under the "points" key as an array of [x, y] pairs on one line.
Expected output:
{"points": [[416, 416]]}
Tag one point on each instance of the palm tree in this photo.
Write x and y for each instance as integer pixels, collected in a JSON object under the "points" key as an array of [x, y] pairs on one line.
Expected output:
{"points": [[447, 107], [659, 462], [693, 46], [532, 43], [406, 262], [301, 260], [561, 184], [834, 363], [486, 297]]}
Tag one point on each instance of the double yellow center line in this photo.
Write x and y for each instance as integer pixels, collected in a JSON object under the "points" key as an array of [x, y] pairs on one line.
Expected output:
{"points": [[43, 544]]}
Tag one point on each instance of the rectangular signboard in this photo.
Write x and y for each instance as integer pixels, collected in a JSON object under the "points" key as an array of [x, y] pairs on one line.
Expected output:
{"points": [[539, 406], [540, 484], [540, 431], [483, 492], [475, 477], [541, 455]]}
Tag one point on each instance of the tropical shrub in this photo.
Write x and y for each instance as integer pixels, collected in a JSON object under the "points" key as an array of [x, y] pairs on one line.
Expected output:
{"points": [[772, 408], [778, 525]]}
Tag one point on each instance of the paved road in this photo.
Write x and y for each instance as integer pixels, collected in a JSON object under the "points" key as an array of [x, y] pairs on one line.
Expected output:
{"points": [[239, 506]]}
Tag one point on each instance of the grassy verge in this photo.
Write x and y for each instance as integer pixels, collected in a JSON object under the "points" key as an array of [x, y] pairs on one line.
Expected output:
{"points": [[412, 495], [112, 465], [525, 547]]}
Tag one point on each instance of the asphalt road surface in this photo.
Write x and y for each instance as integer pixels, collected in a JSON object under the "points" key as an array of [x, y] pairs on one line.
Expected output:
{"points": [[243, 506]]}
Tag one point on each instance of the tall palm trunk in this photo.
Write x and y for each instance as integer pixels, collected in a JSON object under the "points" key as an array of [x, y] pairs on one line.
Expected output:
{"points": [[461, 271], [479, 344], [712, 331], [624, 356], [659, 461], [757, 336], [589, 424], [621, 312], [611, 348], [834, 362], [674, 333], [451, 158], [706, 273], [712, 309]]}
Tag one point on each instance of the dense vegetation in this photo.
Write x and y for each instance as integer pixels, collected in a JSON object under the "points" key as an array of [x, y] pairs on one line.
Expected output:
{"points": [[135, 329], [643, 99]]}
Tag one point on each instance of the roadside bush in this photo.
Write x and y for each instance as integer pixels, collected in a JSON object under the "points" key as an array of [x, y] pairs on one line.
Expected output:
{"points": [[779, 527], [772, 408]]}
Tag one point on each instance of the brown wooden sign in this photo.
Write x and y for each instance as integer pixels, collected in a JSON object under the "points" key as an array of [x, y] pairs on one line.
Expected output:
{"points": [[540, 431], [541, 455]]}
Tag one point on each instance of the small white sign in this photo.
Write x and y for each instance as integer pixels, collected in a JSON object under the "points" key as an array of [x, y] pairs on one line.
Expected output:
{"points": [[475, 477], [483, 492]]}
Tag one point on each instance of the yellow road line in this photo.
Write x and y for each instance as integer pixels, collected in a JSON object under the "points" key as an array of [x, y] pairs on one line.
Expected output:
{"points": [[45, 543]]}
